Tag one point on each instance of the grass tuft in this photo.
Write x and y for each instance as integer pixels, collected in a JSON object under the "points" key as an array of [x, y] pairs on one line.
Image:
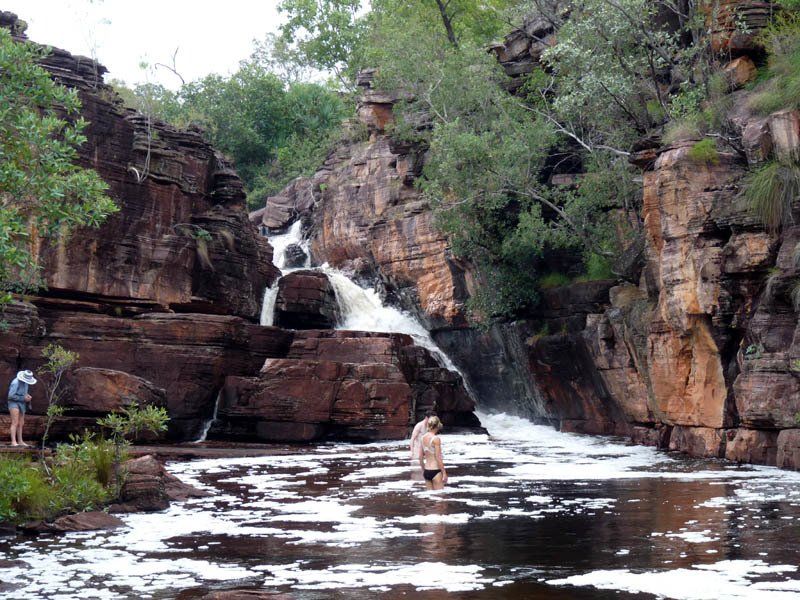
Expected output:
{"points": [[770, 192]]}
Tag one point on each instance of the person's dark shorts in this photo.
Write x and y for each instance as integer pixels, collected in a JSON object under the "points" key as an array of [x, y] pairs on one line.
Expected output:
{"points": [[14, 404]]}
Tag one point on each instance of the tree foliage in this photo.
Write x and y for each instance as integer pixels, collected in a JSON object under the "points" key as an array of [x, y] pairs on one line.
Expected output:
{"points": [[43, 192], [273, 129]]}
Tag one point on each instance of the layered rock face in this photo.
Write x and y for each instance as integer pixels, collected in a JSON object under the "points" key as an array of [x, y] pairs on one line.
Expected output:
{"points": [[695, 352], [700, 356], [306, 300], [181, 243], [346, 384], [370, 220]]}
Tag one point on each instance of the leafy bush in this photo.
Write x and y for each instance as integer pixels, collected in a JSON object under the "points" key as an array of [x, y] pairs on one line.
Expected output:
{"points": [[770, 192], [29, 494], [93, 453], [597, 268], [704, 151]]}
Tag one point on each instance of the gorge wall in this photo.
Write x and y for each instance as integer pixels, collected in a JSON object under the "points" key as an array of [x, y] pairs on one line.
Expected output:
{"points": [[695, 350], [162, 304]]}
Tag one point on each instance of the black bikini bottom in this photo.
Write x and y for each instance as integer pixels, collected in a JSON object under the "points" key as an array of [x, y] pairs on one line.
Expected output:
{"points": [[429, 474]]}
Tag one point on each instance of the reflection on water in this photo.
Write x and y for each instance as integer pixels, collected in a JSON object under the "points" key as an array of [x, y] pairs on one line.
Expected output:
{"points": [[529, 513]]}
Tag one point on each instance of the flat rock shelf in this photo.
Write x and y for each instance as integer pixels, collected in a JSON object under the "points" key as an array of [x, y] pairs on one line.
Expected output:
{"points": [[529, 513]]}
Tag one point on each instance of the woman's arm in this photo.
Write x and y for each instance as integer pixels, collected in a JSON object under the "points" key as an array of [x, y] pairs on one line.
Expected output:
{"points": [[421, 455], [439, 461]]}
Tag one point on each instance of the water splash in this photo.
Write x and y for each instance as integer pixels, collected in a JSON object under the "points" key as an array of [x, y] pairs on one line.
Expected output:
{"points": [[362, 309]]}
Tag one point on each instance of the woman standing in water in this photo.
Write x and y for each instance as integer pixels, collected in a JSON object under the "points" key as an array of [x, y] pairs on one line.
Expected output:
{"points": [[430, 456]]}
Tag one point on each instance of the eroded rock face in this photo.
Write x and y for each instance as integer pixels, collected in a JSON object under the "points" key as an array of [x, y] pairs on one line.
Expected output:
{"points": [[177, 360], [343, 384], [169, 185], [370, 219]]}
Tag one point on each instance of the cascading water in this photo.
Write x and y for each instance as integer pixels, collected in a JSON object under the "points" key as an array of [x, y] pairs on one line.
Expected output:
{"points": [[279, 243], [363, 310], [210, 422], [360, 309]]}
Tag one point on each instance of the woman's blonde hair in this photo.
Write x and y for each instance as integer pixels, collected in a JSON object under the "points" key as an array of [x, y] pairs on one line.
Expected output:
{"points": [[434, 424]]}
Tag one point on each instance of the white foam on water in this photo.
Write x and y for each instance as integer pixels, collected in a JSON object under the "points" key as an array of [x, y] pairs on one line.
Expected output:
{"points": [[725, 579], [269, 497], [421, 576]]}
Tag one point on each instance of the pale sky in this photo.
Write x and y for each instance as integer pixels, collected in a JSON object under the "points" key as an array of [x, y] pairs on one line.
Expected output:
{"points": [[212, 37]]}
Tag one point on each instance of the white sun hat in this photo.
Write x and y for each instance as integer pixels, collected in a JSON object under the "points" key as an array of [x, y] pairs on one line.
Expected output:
{"points": [[27, 377]]}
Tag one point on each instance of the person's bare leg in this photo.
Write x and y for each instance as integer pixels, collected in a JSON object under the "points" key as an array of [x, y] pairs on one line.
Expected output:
{"points": [[19, 429], [438, 482], [14, 424]]}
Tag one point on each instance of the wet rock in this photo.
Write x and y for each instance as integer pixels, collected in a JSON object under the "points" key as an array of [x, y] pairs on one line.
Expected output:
{"points": [[788, 456], [144, 489], [752, 446], [248, 595], [149, 487], [294, 256], [86, 521], [345, 385], [187, 356], [306, 300], [359, 402], [698, 441], [280, 210]]}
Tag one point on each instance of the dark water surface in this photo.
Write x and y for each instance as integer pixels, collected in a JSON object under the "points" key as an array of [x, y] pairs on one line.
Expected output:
{"points": [[530, 513]]}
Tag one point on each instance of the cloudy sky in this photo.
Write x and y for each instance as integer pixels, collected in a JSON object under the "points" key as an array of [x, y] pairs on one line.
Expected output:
{"points": [[211, 37]]}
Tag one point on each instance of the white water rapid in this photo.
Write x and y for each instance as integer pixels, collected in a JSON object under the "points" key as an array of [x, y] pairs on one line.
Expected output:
{"points": [[279, 243], [361, 309]]}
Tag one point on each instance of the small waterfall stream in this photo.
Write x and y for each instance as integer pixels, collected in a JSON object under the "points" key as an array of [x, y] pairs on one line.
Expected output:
{"points": [[210, 422]]}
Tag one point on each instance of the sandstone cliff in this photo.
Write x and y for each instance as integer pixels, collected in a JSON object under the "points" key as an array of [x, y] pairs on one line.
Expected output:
{"points": [[162, 302], [697, 354]]}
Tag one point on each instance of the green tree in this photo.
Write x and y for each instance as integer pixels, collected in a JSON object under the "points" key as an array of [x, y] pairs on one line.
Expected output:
{"points": [[58, 361], [127, 424], [43, 192]]}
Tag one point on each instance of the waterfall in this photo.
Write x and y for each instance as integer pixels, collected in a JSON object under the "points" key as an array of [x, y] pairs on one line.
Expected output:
{"points": [[363, 310], [360, 309], [279, 243], [210, 422], [268, 305]]}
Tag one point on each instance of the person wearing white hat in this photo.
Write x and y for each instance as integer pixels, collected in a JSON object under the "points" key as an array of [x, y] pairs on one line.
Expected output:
{"points": [[18, 401]]}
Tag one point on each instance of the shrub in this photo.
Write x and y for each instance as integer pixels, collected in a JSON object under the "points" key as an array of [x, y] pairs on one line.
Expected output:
{"points": [[770, 192], [24, 489], [782, 89], [704, 151], [76, 488], [597, 268], [553, 280], [94, 453]]}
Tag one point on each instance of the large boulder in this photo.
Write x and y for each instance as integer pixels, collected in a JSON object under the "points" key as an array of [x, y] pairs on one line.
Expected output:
{"points": [[344, 385], [306, 300]]}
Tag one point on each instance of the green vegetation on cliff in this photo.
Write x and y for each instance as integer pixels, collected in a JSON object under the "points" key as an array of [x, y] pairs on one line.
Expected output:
{"points": [[43, 193], [274, 129]]}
